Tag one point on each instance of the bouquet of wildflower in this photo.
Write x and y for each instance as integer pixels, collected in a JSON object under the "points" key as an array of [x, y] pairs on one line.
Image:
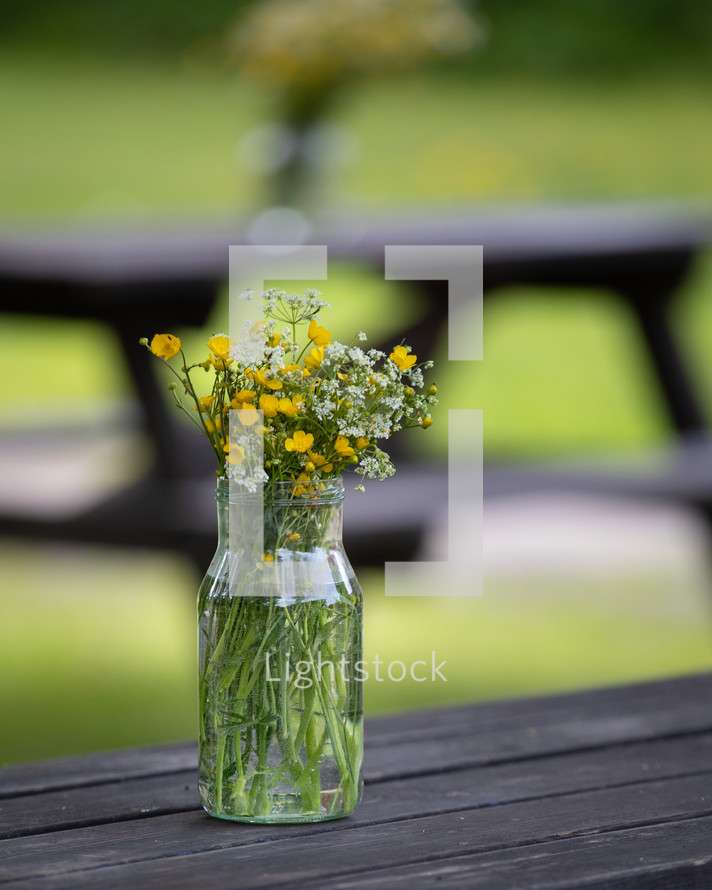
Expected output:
{"points": [[275, 743], [325, 405]]}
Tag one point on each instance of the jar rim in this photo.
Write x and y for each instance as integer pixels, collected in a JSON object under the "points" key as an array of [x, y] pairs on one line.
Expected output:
{"points": [[292, 492]]}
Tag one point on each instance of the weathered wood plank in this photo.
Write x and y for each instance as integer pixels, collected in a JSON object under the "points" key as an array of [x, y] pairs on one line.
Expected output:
{"points": [[103, 766], [53, 811], [458, 737], [426, 795], [534, 738], [689, 692], [674, 856], [431, 793], [300, 860]]}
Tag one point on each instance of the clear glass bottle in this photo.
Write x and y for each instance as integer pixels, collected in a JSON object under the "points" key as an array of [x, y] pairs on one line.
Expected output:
{"points": [[280, 691]]}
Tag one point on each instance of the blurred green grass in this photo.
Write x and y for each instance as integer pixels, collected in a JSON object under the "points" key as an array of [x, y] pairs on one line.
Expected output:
{"points": [[85, 139], [95, 651], [98, 648]]}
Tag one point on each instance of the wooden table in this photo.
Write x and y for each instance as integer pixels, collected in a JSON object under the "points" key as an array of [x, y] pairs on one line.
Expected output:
{"points": [[608, 788]]}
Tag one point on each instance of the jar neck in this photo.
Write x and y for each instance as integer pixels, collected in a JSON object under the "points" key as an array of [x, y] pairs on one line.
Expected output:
{"points": [[294, 516]]}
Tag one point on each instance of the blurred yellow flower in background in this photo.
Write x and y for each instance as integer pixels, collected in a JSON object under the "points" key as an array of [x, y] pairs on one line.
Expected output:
{"points": [[295, 44]]}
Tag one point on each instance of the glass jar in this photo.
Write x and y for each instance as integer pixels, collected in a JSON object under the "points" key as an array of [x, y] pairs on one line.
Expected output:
{"points": [[280, 641]]}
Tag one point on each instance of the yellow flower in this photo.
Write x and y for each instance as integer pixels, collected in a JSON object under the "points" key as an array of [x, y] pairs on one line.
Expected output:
{"points": [[248, 416], [319, 461], [268, 382], [236, 453], [209, 426], [290, 407], [293, 537], [315, 358], [220, 347], [289, 368], [426, 422], [241, 397], [401, 357], [206, 403], [318, 335], [269, 404], [268, 557], [299, 490], [301, 441], [361, 442], [275, 340], [220, 364], [165, 346], [342, 447]]}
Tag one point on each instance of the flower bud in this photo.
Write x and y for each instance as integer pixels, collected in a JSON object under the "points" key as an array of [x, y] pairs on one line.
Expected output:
{"points": [[433, 390], [143, 341], [426, 422], [171, 386], [309, 467]]}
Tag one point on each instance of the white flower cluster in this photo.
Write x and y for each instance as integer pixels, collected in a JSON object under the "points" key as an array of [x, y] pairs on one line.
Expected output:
{"points": [[293, 308], [250, 348], [377, 466]]}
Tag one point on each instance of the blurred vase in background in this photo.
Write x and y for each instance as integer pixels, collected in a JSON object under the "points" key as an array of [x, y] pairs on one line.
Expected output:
{"points": [[307, 55]]}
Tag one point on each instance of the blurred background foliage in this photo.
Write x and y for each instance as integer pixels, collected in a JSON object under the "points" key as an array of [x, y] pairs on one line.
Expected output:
{"points": [[129, 113], [602, 38]]}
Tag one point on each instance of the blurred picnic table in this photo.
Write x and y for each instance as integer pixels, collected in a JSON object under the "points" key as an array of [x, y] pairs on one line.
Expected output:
{"points": [[157, 278]]}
